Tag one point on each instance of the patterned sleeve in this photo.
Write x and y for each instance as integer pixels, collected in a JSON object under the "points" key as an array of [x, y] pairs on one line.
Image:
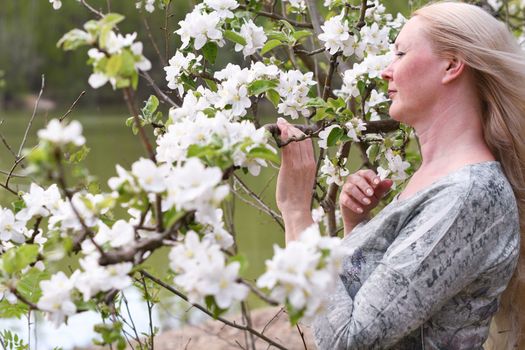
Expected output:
{"points": [[440, 250]]}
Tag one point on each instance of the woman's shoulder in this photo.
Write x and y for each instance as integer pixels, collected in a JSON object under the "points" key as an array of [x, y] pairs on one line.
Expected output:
{"points": [[477, 182]]}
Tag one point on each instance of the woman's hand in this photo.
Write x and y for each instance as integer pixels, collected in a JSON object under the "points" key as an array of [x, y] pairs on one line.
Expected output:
{"points": [[360, 194], [295, 181]]}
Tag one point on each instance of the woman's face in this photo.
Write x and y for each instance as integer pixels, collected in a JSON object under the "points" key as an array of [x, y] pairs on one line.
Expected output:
{"points": [[415, 74]]}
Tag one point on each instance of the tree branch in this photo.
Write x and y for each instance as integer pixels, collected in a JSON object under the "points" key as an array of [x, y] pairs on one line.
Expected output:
{"points": [[22, 144]]}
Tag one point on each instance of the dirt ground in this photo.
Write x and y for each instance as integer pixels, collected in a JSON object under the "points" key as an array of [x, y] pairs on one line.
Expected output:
{"points": [[215, 335]]}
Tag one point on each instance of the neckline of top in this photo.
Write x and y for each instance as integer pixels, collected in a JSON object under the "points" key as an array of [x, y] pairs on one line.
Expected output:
{"points": [[444, 177]]}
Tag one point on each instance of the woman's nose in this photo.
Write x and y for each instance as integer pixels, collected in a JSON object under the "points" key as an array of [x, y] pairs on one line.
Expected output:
{"points": [[386, 74]]}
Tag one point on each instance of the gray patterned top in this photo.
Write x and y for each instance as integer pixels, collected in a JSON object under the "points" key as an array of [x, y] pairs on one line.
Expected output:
{"points": [[426, 272]]}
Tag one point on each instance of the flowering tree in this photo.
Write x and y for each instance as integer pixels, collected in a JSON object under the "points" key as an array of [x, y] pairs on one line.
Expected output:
{"points": [[323, 71]]}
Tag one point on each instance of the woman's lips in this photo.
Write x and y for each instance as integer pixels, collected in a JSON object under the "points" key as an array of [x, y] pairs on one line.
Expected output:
{"points": [[391, 93]]}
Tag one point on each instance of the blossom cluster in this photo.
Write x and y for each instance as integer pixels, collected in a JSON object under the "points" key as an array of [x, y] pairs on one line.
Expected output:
{"points": [[333, 171], [201, 271], [179, 68], [303, 274], [293, 89], [395, 168], [115, 44]]}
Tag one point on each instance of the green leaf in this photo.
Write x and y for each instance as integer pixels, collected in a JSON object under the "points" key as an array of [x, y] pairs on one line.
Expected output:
{"points": [[270, 45], [29, 284], [15, 259], [210, 51], [211, 84], [294, 315], [18, 205], [273, 34], [79, 156], [8, 310], [261, 86], [273, 97], [234, 37], [127, 67], [316, 103], [300, 34], [263, 153], [113, 65], [334, 136], [72, 40], [151, 106], [111, 19], [336, 103], [372, 152]]}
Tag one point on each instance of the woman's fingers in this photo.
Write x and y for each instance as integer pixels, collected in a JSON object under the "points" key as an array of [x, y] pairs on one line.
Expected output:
{"points": [[350, 203]]}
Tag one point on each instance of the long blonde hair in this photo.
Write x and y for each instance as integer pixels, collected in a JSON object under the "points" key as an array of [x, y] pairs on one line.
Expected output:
{"points": [[498, 63]]}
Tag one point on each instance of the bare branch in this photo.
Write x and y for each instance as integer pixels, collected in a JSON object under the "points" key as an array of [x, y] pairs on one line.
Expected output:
{"points": [[264, 206], [259, 293], [22, 144], [159, 92], [91, 8], [4, 141], [279, 17], [72, 106], [128, 97]]}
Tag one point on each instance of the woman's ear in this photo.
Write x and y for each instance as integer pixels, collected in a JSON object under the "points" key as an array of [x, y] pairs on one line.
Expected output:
{"points": [[454, 70]]}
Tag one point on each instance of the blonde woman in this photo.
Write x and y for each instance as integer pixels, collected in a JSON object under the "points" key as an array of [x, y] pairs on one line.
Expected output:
{"points": [[430, 270]]}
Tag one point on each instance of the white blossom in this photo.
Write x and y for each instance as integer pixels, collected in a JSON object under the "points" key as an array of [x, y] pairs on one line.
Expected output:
{"points": [[337, 36], [293, 88], [39, 202], [298, 5], [323, 135], [222, 8], [396, 167], [119, 235], [149, 176], [95, 278], [56, 298], [254, 36], [201, 27], [179, 65], [10, 228], [201, 271], [61, 134], [332, 172], [355, 128], [57, 4], [303, 273]]}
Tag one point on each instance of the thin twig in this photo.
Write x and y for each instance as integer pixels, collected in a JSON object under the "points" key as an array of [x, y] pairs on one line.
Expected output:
{"points": [[91, 8], [150, 36], [22, 144], [151, 335], [134, 328], [4, 141], [203, 309], [128, 97], [279, 17], [72, 106], [159, 92], [301, 333], [259, 201], [259, 293]]}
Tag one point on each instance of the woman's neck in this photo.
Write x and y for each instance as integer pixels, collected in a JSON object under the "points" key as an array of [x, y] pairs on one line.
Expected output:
{"points": [[453, 138]]}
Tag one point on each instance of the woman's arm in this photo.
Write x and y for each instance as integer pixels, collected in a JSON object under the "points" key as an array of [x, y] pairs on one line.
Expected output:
{"points": [[295, 183]]}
